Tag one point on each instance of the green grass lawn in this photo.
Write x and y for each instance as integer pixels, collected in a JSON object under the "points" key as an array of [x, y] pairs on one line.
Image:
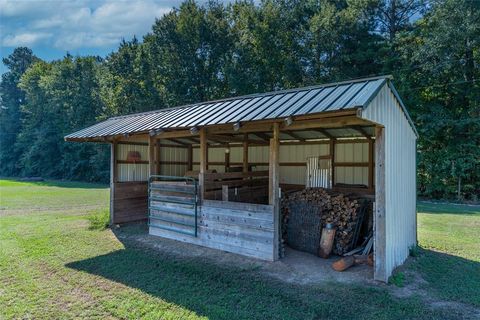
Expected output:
{"points": [[450, 263], [53, 266]]}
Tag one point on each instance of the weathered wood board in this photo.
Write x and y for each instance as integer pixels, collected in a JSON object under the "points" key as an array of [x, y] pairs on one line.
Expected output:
{"points": [[130, 201], [240, 228]]}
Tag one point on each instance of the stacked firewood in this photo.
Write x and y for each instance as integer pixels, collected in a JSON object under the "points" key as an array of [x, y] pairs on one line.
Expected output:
{"points": [[333, 207]]}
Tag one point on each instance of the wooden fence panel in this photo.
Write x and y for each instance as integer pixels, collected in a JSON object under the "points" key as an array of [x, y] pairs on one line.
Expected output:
{"points": [[130, 201], [241, 228]]}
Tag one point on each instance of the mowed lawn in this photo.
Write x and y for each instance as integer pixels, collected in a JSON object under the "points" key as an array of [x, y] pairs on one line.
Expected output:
{"points": [[52, 266]]}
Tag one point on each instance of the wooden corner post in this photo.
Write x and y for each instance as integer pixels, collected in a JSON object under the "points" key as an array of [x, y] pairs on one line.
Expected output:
{"points": [[245, 153], [273, 187], [113, 179], [371, 157], [190, 158], [153, 156], [203, 161], [332, 160], [380, 243]]}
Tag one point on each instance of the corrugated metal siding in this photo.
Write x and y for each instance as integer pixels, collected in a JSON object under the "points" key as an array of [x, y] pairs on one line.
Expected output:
{"points": [[132, 171], [345, 152], [236, 154], [319, 173], [298, 153], [172, 154], [301, 101], [351, 152], [400, 171]]}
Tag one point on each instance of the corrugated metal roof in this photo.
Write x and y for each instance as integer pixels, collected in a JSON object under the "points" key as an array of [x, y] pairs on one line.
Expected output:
{"points": [[272, 105]]}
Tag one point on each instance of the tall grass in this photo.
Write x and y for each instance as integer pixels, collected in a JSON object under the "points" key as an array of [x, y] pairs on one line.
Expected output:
{"points": [[99, 219]]}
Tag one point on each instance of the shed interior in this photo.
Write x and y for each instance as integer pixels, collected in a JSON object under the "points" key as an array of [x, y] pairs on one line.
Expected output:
{"points": [[348, 154], [237, 170]]}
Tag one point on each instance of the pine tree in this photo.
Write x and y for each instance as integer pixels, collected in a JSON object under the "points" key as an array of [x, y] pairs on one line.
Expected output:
{"points": [[11, 117]]}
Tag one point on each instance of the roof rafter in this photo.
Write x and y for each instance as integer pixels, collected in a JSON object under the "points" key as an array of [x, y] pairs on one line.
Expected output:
{"points": [[325, 133], [362, 131], [294, 135]]}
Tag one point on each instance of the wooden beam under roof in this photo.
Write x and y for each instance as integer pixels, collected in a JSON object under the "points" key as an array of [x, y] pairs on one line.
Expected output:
{"points": [[262, 136], [293, 135], [260, 128], [362, 131], [325, 119], [228, 138], [325, 133], [178, 142], [319, 122], [194, 140]]}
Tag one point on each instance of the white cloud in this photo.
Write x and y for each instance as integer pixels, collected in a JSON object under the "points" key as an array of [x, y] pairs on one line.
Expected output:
{"points": [[24, 39], [68, 25]]}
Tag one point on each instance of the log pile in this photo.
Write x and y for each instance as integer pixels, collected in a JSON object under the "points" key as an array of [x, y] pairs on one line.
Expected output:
{"points": [[332, 207]]}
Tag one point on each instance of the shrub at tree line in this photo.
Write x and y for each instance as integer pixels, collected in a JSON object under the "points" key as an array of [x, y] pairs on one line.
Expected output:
{"points": [[202, 52]]}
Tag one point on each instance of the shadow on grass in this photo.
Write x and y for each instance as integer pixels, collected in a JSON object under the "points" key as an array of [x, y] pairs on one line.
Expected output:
{"points": [[57, 183], [450, 277], [448, 208], [231, 292]]}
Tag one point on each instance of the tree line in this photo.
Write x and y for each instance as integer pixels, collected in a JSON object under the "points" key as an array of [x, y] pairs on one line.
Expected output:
{"points": [[203, 52]]}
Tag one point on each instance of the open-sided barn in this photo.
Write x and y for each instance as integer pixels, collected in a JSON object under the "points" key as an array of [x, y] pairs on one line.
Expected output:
{"points": [[214, 173]]}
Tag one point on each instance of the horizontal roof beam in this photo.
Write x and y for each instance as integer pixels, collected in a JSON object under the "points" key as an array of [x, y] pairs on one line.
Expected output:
{"points": [[254, 127], [361, 131], [293, 135]]}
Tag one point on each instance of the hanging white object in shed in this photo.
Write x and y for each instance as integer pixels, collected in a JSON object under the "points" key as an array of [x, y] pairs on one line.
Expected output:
{"points": [[319, 173]]}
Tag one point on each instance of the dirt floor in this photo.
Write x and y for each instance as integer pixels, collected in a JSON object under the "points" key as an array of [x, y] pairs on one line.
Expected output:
{"points": [[296, 267]]}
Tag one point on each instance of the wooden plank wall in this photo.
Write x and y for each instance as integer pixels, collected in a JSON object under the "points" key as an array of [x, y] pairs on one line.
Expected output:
{"points": [[248, 187], [130, 201], [240, 228], [352, 164]]}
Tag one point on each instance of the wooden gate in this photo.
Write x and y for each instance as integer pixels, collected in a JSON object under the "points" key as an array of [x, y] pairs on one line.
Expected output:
{"points": [[172, 204]]}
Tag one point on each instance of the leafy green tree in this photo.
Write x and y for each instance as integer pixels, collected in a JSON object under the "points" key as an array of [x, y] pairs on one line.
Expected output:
{"points": [[203, 52], [189, 48], [127, 83], [342, 43], [442, 87], [11, 98], [395, 16], [61, 96]]}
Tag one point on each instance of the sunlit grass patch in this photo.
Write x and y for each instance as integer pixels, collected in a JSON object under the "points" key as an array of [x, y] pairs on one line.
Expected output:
{"points": [[99, 219], [53, 266]]}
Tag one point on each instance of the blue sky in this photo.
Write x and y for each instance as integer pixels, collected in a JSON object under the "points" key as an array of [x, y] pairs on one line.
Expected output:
{"points": [[96, 27]]}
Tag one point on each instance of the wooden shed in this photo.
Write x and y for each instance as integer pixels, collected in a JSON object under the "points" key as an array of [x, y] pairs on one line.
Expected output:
{"points": [[213, 173]]}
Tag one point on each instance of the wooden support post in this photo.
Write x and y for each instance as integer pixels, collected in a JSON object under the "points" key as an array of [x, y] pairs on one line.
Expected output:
{"points": [[190, 158], [153, 160], [245, 153], [227, 157], [273, 187], [379, 234], [158, 168], [113, 179], [371, 155], [203, 161], [332, 156]]}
